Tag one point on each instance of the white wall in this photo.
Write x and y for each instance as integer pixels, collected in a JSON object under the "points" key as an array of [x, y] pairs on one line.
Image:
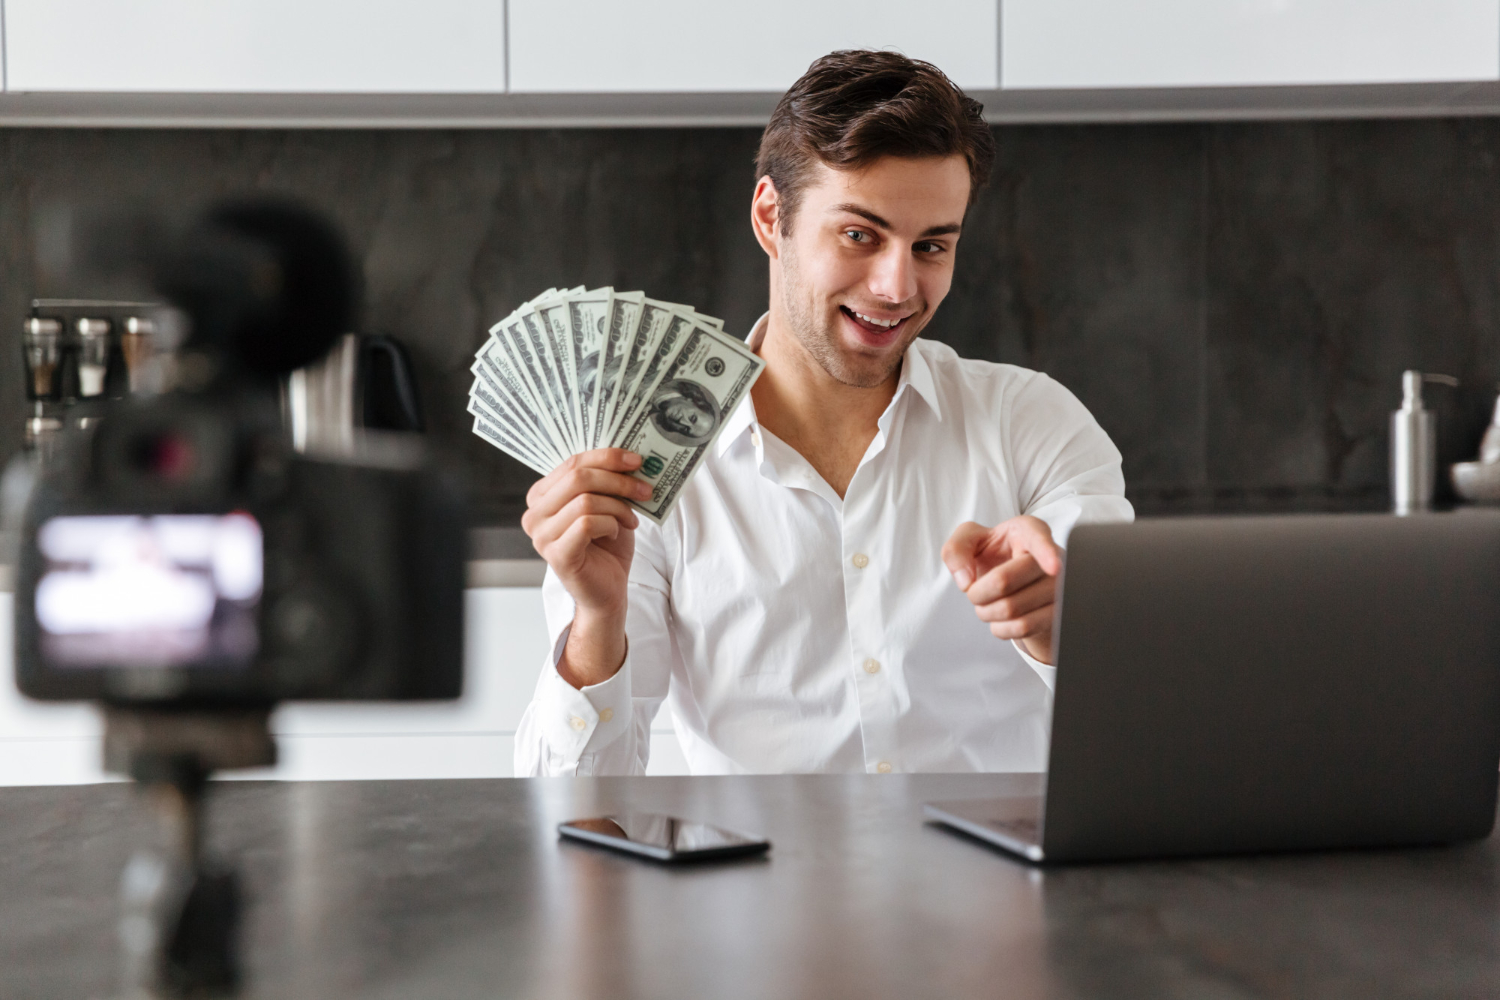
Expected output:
{"points": [[505, 643]]}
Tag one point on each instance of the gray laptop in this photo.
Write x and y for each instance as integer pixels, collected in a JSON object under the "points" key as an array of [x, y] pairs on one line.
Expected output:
{"points": [[1247, 684]]}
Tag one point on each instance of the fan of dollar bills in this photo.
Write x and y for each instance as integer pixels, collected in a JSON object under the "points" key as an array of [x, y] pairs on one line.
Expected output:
{"points": [[574, 370]]}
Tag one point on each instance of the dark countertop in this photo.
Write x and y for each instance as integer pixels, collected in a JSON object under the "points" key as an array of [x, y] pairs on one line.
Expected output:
{"points": [[461, 889], [501, 542]]}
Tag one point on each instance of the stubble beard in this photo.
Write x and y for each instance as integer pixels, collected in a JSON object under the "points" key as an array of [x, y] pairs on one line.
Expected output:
{"points": [[821, 342]]}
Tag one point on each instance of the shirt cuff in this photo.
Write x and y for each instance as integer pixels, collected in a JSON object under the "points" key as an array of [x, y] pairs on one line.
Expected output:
{"points": [[581, 721], [1045, 671]]}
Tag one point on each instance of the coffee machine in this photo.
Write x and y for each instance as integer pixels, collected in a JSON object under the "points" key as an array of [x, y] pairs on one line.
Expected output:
{"points": [[80, 353]]}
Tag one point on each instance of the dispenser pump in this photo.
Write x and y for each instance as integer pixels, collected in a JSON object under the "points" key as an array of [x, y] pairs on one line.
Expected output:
{"points": [[1411, 387], [1414, 444]]}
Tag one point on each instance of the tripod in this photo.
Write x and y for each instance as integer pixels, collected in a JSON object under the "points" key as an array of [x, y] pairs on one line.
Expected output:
{"points": [[180, 912]]}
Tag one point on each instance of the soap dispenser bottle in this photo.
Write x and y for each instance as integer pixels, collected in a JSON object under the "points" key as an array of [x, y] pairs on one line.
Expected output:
{"points": [[1414, 445]]}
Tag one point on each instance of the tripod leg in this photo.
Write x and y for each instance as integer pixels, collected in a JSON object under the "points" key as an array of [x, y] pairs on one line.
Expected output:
{"points": [[180, 917], [150, 888], [200, 953]]}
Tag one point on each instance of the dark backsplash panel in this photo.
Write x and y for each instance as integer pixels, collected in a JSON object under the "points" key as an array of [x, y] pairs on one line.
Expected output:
{"points": [[1235, 302]]}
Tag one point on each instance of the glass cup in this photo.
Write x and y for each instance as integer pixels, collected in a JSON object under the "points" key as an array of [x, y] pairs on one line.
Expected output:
{"points": [[136, 343], [93, 356], [41, 345]]}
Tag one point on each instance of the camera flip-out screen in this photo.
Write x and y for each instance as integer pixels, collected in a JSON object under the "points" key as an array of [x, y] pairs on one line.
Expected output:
{"points": [[170, 590]]}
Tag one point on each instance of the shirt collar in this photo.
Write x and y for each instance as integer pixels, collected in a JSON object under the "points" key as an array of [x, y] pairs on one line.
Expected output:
{"points": [[915, 373], [743, 417]]}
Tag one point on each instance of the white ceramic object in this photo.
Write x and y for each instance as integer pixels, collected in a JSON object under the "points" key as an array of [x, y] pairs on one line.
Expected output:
{"points": [[1477, 482]]}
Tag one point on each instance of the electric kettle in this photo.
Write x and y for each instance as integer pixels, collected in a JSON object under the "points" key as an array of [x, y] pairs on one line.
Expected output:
{"points": [[364, 383]]}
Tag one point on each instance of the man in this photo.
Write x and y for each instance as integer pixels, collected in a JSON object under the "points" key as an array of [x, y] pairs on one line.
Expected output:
{"points": [[861, 575]]}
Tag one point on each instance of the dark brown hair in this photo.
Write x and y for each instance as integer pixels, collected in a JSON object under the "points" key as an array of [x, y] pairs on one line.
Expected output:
{"points": [[854, 106]]}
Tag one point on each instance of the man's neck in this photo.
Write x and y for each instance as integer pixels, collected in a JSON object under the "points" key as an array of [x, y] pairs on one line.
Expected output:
{"points": [[829, 423]]}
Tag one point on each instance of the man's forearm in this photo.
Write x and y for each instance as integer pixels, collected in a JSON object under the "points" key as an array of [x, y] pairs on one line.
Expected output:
{"points": [[595, 650]]}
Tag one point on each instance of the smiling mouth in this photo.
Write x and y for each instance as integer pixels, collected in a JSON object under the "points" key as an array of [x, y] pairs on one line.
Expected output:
{"points": [[874, 325]]}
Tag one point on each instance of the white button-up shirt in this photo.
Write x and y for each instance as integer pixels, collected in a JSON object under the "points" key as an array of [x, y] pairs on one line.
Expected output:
{"points": [[790, 630]]}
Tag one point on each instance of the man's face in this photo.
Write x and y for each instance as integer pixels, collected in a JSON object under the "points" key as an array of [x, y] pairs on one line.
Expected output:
{"points": [[868, 260]]}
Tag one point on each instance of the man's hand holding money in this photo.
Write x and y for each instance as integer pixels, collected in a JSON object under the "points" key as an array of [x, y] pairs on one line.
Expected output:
{"points": [[1009, 573], [586, 533], [615, 399]]}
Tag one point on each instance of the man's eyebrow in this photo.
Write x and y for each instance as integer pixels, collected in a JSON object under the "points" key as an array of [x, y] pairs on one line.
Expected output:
{"points": [[952, 227], [863, 213], [872, 218]]}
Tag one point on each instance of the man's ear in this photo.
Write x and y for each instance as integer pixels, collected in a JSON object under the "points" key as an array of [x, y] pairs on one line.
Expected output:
{"points": [[765, 216]]}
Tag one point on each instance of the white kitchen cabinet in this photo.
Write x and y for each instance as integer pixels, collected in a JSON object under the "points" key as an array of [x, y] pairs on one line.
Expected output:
{"points": [[609, 46], [255, 46], [1223, 43], [505, 644]]}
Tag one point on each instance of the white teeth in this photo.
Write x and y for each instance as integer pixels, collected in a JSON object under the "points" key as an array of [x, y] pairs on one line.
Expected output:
{"points": [[887, 323]]}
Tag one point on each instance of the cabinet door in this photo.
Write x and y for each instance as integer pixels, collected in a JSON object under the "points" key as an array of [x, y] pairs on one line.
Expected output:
{"points": [[610, 46], [256, 46], [1188, 43]]}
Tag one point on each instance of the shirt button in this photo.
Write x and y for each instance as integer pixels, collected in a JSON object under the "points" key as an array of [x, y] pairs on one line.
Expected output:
{"points": [[872, 666], [884, 767], [577, 722], [605, 714], [860, 560]]}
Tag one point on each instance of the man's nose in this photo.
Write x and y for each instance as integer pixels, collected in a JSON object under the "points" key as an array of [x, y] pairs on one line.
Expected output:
{"points": [[892, 278]]}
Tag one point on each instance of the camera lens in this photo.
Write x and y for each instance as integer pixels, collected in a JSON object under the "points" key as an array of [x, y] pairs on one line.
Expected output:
{"points": [[167, 455]]}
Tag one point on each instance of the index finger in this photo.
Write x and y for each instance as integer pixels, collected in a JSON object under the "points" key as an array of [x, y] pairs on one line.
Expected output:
{"points": [[609, 459], [1034, 538]]}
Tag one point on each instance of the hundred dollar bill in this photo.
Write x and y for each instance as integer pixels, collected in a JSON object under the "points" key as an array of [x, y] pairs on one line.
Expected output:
{"points": [[497, 376], [701, 382], [532, 364], [555, 340], [553, 364], [496, 436], [582, 320], [676, 328], [501, 355], [517, 446], [505, 436], [652, 324], [485, 401], [575, 369], [620, 329]]}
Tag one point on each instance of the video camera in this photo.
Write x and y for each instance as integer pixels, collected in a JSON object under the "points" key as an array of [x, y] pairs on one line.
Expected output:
{"points": [[179, 552], [183, 564]]}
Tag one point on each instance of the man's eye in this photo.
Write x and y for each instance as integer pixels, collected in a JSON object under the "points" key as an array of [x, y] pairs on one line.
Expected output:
{"points": [[925, 247], [857, 235]]}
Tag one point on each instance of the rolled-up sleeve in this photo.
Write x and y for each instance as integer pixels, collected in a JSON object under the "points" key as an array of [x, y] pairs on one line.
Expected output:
{"points": [[604, 728], [1068, 470]]}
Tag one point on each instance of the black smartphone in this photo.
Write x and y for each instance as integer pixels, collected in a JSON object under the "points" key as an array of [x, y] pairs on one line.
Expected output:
{"points": [[663, 838]]}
